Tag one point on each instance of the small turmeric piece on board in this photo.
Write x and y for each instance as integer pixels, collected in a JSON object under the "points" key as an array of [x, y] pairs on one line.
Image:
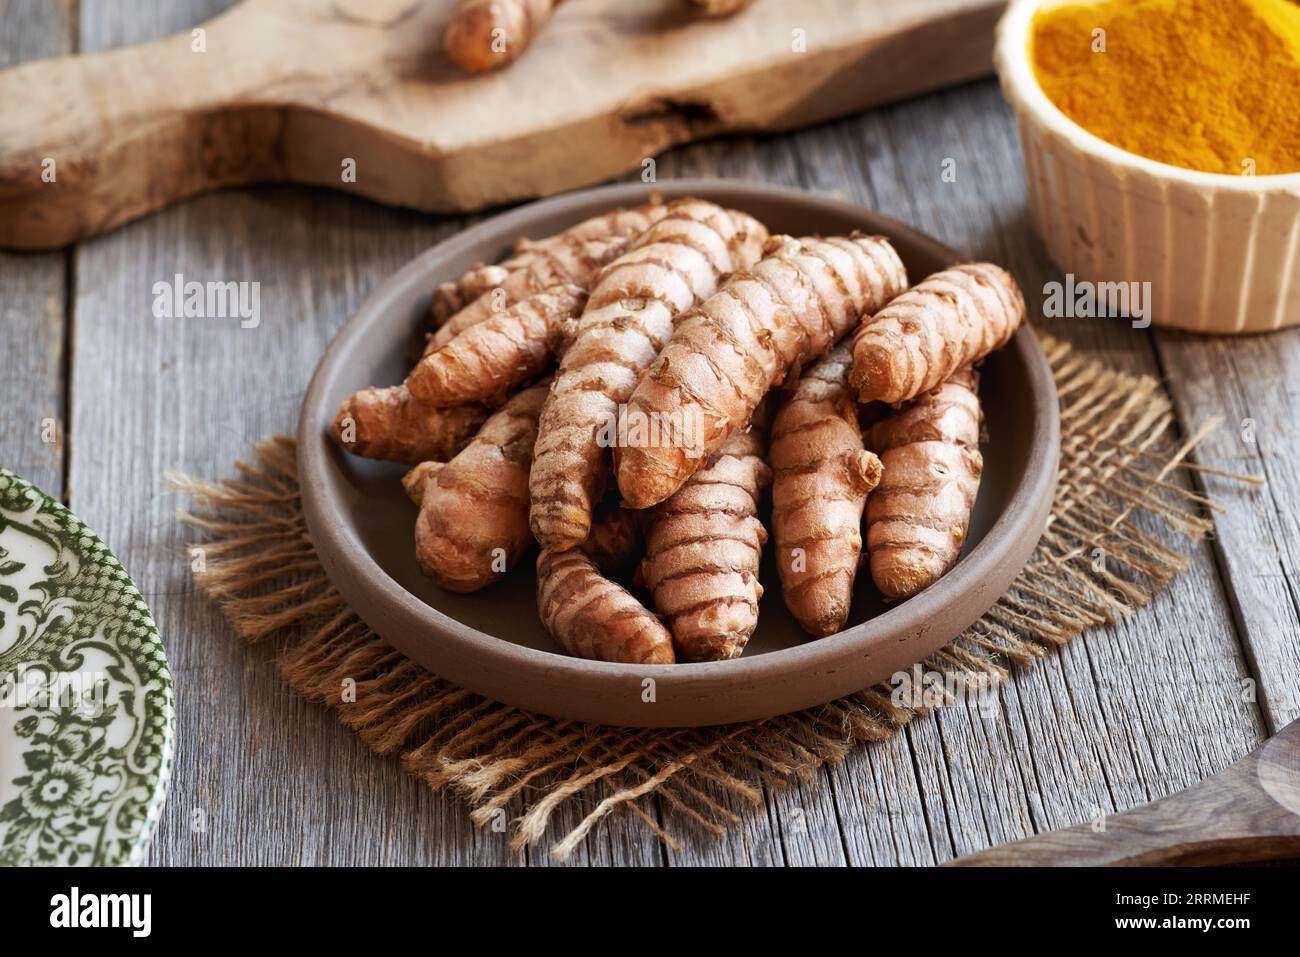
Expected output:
{"points": [[390, 424], [703, 549], [473, 523], [717, 8], [919, 515], [485, 35], [592, 617], [723, 357], [946, 321], [669, 268], [491, 358], [822, 477]]}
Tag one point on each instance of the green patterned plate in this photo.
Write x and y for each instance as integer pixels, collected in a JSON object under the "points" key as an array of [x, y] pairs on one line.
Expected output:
{"points": [[86, 713]]}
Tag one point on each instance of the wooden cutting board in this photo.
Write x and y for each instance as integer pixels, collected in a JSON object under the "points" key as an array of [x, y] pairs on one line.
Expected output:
{"points": [[291, 90]]}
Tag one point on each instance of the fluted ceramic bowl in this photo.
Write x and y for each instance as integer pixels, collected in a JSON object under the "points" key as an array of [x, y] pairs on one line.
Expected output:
{"points": [[1222, 253]]}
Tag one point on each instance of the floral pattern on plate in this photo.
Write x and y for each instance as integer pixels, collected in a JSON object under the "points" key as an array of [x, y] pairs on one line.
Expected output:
{"points": [[86, 708]]}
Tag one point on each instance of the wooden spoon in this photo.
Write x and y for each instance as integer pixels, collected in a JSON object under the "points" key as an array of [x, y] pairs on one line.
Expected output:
{"points": [[1247, 813]]}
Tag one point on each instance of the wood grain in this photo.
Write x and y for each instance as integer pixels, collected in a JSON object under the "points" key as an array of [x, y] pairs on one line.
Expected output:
{"points": [[1125, 715], [290, 90], [1248, 813]]}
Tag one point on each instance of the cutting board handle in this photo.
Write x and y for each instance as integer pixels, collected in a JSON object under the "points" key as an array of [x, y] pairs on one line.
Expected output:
{"points": [[87, 141]]}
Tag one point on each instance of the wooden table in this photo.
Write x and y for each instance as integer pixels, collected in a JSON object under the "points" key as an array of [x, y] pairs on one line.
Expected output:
{"points": [[1124, 715]]}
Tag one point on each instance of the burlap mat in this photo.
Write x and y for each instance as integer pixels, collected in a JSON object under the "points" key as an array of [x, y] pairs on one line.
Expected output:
{"points": [[1118, 452]]}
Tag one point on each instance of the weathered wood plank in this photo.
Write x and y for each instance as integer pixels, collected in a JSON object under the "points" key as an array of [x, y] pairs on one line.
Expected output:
{"points": [[883, 817], [33, 302], [31, 31], [1251, 383]]}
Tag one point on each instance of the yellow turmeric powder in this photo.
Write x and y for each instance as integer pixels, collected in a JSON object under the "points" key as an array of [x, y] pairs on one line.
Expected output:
{"points": [[1211, 85]]}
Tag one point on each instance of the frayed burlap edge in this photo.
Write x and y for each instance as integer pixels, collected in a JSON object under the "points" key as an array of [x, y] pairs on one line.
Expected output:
{"points": [[259, 566]]}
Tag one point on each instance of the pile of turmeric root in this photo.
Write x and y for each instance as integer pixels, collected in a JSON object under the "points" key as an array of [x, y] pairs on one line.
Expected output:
{"points": [[626, 393], [485, 35]]}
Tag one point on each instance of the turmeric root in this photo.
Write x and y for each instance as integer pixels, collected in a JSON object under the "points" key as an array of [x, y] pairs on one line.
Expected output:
{"points": [[592, 617], [572, 256], [616, 539], [390, 424], [671, 267], [917, 519], [946, 321], [725, 355], [703, 547], [487, 34], [417, 479], [623, 224], [473, 524], [823, 476], [450, 298], [717, 8], [508, 349], [572, 266]]}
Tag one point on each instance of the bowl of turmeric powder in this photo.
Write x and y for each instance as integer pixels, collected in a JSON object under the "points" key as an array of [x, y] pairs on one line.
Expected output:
{"points": [[1162, 148]]}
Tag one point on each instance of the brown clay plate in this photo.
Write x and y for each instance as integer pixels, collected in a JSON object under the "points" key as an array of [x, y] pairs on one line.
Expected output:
{"points": [[492, 642]]}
